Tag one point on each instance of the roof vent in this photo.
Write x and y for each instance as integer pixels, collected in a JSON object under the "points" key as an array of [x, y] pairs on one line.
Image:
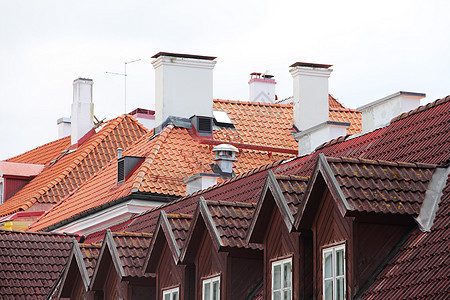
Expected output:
{"points": [[221, 118], [225, 156], [125, 165], [202, 124]]}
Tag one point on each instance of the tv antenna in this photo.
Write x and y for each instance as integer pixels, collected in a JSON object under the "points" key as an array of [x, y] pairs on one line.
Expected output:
{"points": [[124, 74]]}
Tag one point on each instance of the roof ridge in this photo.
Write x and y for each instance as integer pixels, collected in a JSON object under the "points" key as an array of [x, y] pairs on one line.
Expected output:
{"points": [[38, 233], [251, 103], [103, 133], [178, 216], [131, 234], [139, 178], [92, 245], [41, 146], [421, 108], [380, 162], [291, 177], [228, 203]]}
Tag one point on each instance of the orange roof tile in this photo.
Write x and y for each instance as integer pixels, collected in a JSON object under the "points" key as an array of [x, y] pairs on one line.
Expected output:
{"points": [[62, 177], [42, 155]]}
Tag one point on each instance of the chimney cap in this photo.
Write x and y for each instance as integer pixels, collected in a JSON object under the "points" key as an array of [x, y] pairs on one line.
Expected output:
{"points": [[181, 55], [310, 65], [225, 147]]}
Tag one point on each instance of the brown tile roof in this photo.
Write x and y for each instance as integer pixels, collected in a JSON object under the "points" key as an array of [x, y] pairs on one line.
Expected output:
{"points": [[30, 263], [61, 178], [421, 267], [180, 226], [232, 220], [132, 248], [90, 253], [293, 188], [380, 186]]}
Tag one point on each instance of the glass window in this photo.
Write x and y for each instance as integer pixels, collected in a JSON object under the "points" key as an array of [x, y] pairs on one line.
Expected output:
{"points": [[211, 288], [282, 279], [172, 294], [333, 267]]}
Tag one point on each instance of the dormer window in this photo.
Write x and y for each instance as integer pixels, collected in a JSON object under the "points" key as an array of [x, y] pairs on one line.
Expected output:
{"points": [[333, 268], [171, 294], [125, 165], [211, 288], [282, 279]]}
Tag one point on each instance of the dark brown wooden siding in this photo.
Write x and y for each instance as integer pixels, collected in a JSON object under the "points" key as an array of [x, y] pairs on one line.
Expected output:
{"points": [[279, 244], [246, 274], [330, 228], [78, 291], [111, 284], [12, 186], [169, 274], [209, 262]]}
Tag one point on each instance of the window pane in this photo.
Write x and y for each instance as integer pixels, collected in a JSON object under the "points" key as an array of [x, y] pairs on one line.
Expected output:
{"points": [[167, 297], [277, 277], [216, 290], [175, 295], [339, 262], [287, 294], [328, 289], [340, 288], [328, 265], [287, 274], [207, 291], [277, 295]]}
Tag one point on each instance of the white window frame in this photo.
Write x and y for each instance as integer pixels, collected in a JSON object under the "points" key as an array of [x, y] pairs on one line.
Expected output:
{"points": [[171, 292], [283, 263], [2, 190], [210, 281], [334, 278]]}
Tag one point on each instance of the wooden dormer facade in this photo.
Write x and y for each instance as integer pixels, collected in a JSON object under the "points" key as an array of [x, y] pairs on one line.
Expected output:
{"points": [[271, 227], [355, 214], [215, 247], [163, 257]]}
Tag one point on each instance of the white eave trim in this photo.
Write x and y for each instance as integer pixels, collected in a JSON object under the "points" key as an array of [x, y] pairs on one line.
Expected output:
{"points": [[108, 217]]}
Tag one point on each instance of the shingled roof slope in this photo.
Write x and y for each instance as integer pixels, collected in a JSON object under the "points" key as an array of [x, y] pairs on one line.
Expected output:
{"points": [[62, 177], [380, 186], [90, 254], [180, 226], [30, 263], [421, 267], [132, 248], [293, 188], [232, 220]]}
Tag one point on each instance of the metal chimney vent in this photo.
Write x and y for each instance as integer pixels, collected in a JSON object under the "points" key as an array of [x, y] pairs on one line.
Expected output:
{"points": [[203, 125]]}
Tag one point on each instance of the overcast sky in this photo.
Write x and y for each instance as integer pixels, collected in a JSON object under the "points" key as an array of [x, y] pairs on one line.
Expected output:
{"points": [[376, 48]]}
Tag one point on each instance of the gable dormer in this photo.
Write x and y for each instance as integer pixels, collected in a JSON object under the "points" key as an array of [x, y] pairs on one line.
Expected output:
{"points": [[356, 212]]}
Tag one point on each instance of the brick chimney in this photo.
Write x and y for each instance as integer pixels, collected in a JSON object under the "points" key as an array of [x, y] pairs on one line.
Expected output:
{"points": [[262, 87], [82, 109], [311, 106], [183, 85]]}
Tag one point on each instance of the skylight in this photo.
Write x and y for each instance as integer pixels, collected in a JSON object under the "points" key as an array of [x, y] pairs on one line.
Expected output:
{"points": [[222, 118]]}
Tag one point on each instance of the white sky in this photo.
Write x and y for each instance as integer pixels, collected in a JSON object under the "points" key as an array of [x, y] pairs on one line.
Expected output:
{"points": [[376, 48]]}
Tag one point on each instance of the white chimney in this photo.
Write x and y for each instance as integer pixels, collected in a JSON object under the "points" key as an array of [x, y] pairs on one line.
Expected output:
{"points": [[145, 116], [200, 182], [311, 106], [183, 85], [379, 113], [82, 109], [262, 87], [63, 127]]}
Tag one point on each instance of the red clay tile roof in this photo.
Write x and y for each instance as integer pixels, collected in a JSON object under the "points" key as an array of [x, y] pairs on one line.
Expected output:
{"points": [[380, 186], [232, 220], [61, 178], [421, 268], [44, 154], [30, 263], [132, 248]]}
